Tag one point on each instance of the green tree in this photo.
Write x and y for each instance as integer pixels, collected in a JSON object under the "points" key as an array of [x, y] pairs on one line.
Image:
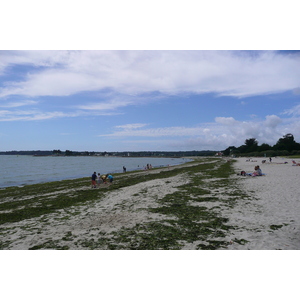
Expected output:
{"points": [[264, 147], [230, 150], [242, 149], [68, 153], [251, 144], [287, 142]]}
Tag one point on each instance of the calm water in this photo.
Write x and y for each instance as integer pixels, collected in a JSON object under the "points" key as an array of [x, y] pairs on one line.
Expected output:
{"points": [[22, 170]]}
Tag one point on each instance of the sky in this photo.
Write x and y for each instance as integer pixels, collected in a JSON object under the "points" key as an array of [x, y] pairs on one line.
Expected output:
{"points": [[126, 100], [160, 77]]}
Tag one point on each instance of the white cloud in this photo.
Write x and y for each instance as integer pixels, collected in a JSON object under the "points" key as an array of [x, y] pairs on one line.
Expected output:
{"points": [[234, 73], [105, 105], [131, 126], [32, 115], [154, 132], [294, 111], [36, 114], [18, 104], [32, 58], [272, 121], [226, 121], [219, 135]]}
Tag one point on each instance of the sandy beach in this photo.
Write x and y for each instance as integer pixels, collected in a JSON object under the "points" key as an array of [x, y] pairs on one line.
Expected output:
{"points": [[123, 208], [270, 219], [253, 213]]}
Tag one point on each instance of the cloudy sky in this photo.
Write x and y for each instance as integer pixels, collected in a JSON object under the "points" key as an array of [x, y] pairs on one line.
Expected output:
{"points": [[147, 100], [148, 75]]}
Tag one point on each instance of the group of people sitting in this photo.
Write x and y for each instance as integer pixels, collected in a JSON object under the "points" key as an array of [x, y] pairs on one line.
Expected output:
{"points": [[257, 172], [97, 180]]}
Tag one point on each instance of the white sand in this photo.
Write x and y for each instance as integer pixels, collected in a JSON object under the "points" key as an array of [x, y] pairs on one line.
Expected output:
{"points": [[275, 201]]}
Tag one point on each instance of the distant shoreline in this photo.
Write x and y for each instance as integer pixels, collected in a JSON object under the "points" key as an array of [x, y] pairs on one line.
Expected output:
{"points": [[112, 153]]}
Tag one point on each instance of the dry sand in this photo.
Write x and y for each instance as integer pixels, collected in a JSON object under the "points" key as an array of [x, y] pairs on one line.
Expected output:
{"points": [[271, 219]]}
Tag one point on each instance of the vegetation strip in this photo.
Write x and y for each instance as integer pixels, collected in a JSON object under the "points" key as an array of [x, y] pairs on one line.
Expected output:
{"points": [[186, 216]]}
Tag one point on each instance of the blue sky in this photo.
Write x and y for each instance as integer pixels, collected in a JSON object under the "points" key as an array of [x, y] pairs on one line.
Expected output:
{"points": [[146, 100]]}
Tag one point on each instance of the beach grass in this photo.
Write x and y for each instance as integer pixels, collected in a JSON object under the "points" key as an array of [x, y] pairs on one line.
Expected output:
{"points": [[190, 215]]}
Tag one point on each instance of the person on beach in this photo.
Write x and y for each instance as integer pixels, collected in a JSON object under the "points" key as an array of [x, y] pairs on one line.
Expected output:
{"points": [[103, 178], [99, 180], [94, 177], [124, 169], [257, 171], [110, 178]]}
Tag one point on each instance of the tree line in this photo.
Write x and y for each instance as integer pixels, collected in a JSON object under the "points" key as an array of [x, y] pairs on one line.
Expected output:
{"points": [[137, 153], [58, 152], [284, 146]]}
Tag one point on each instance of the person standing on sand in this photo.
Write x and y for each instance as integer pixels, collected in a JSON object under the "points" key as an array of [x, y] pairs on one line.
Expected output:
{"points": [[124, 169], [94, 177], [99, 179]]}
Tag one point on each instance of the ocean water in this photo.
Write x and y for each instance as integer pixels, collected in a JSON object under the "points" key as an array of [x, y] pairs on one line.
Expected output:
{"points": [[19, 170]]}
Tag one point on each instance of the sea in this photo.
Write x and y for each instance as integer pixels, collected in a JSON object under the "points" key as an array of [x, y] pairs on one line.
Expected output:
{"points": [[21, 170]]}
